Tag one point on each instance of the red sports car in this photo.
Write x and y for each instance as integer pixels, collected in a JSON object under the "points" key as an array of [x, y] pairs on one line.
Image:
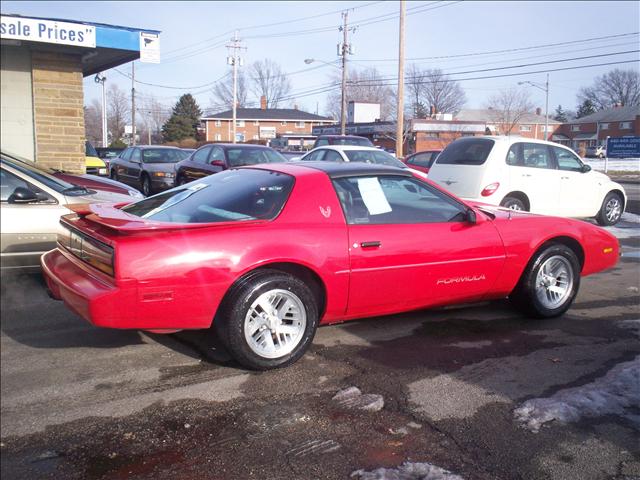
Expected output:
{"points": [[422, 161], [267, 253]]}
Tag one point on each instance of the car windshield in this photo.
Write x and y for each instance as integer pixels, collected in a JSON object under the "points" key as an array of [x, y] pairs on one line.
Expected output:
{"points": [[89, 151], [162, 155], [229, 196], [466, 151], [43, 175], [373, 156], [240, 156], [358, 142]]}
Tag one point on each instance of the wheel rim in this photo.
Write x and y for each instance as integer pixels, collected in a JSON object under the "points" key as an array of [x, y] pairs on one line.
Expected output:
{"points": [[554, 282], [145, 186], [613, 209], [275, 323], [515, 206]]}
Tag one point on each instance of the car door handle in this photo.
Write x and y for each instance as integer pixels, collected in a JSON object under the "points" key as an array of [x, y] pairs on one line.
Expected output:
{"points": [[372, 244], [564, 178], [526, 174]]}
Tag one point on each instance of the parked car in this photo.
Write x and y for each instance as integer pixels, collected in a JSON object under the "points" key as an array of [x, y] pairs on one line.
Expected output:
{"points": [[267, 253], [107, 153], [597, 151], [150, 168], [94, 165], [291, 155], [422, 160], [324, 140], [526, 174], [214, 158], [188, 151], [350, 153], [31, 203]]}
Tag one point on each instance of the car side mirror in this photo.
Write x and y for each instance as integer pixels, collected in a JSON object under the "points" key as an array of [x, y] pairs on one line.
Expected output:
{"points": [[23, 195], [471, 216], [586, 168]]}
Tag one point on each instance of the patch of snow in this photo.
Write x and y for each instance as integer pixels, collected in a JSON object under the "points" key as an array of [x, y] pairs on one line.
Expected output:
{"points": [[617, 393], [407, 471], [614, 164]]}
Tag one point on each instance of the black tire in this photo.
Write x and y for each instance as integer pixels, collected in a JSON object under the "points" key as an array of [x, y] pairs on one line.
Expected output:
{"points": [[513, 203], [611, 210], [182, 181], [233, 315], [114, 175], [527, 294], [145, 185]]}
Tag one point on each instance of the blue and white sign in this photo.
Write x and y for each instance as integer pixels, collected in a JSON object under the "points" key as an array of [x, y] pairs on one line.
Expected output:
{"points": [[149, 47], [47, 31], [623, 147]]}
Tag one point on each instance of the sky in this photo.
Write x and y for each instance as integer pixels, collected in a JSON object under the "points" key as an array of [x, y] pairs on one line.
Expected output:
{"points": [[478, 37]]}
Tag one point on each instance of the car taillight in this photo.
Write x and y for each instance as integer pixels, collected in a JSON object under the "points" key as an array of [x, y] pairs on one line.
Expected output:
{"points": [[97, 254], [490, 189]]}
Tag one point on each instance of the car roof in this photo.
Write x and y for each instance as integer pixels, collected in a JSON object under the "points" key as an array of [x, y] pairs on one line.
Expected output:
{"points": [[340, 136], [237, 145], [512, 139], [349, 147], [169, 147], [333, 169]]}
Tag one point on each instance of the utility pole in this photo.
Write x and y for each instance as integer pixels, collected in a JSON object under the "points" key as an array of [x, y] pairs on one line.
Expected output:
{"points": [[343, 50], [133, 103], [234, 60], [400, 124], [546, 110]]}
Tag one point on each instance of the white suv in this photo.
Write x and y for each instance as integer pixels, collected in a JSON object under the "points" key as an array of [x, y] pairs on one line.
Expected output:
{"points": [[526, 174]]}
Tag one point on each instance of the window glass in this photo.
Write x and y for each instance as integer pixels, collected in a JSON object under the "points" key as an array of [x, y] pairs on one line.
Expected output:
{"points": [[201, 155], [126, 155], [373, 156], [239, 156], [9, 182], [315, 155], [466, 151], [161, 155], [357, 141], [39, 175], [135, 155], [229, 196], [514, 155], [536, 156], [322, 142], [89, 151], [332, 156], [217, 155], [424, 159], [567, 160], [394, 200]]}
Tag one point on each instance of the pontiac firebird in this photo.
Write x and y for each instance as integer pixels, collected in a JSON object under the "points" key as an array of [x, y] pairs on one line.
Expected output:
{"points": [[265, 254]]}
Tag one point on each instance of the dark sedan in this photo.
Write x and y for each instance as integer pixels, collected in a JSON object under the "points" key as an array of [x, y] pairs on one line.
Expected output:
{"points": [[150, 168], [214, 158]]}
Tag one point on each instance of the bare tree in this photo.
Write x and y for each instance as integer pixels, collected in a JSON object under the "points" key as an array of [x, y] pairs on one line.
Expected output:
{"points": [[439, 91], [616, 87], [222, 93], [363, 86], [415, 84], [508, 107], [93, 122], [118, 112], [268, 80], [154, 114]]}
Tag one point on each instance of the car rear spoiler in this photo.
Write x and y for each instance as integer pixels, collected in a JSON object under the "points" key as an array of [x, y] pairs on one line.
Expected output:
{"points": [[111, 216]]}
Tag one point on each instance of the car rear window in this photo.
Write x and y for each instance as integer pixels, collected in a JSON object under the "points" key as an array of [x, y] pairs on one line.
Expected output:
{"points": [[232, 195], [162, 155], [373, 156], [359, 142], [238, 157], [466, 151]]}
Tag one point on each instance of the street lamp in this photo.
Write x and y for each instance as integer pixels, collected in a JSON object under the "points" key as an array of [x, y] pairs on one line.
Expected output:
{"points": [[343, 103], [545, 89], [100, 79]]}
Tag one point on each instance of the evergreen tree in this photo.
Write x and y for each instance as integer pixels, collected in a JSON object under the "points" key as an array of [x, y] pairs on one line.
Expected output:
{"points": [[585, 108], [184, 120], [560, 115]]}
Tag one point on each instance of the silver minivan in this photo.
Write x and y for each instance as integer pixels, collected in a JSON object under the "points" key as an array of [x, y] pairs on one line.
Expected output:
{"points": [[31, 203]]}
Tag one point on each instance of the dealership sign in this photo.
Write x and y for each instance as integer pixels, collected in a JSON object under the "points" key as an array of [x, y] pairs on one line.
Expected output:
{"points": [[624, 147], [47, 31]]}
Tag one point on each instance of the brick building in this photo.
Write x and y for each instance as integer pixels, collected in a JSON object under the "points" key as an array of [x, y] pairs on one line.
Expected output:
{"points": [[529, 125], [260, 124], [595, 128], [43, 64]]}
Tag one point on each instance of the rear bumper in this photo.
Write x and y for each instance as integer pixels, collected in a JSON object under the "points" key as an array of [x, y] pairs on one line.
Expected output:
{"points": [[127, 304]]}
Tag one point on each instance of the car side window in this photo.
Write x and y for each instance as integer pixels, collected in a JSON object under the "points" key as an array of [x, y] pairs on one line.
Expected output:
{"points": [[514, 155], [332, 156], [536, 155], [126, 155], [9, 182], [135, 155], [217, 155], [317, 155], [322, 142], [567, 160], [201, 155], [384, 200], [421, 160]]}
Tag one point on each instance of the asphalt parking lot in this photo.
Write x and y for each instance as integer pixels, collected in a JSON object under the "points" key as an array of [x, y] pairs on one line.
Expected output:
{"points": [[480, 392]]}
